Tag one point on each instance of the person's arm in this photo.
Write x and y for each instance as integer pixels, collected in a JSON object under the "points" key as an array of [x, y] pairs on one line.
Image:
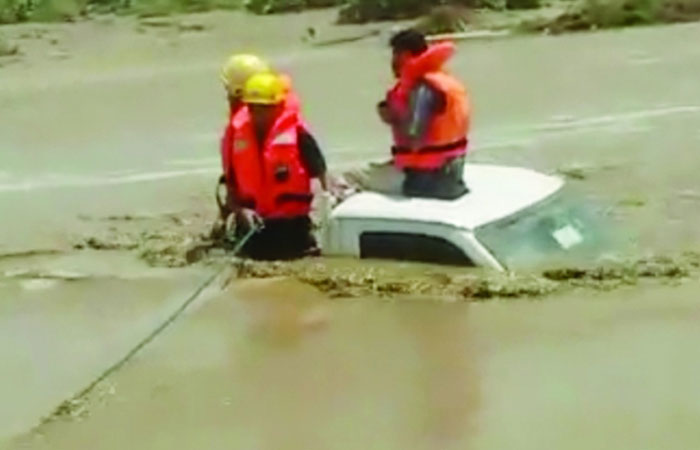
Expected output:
{"points": [[425, 103], [385, 113], [225, 179], [225, 150], [312, 157]]}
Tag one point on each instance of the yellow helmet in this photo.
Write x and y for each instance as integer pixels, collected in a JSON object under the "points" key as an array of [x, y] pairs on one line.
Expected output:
{"points": [[264, 89], [239, 68]]}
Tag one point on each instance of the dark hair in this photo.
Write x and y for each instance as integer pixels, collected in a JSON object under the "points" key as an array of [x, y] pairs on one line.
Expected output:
{"points": [[410, 40]]}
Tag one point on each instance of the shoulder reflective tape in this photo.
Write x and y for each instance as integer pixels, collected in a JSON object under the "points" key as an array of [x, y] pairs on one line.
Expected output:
{"points": [[286, 138]]}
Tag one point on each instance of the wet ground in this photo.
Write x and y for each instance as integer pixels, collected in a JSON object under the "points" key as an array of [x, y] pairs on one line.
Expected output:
{"points": [[108, 154]]}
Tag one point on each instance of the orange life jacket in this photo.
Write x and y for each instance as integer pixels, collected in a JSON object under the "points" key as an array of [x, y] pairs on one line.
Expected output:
{"points": [[446, 136], [292, 102], [272, 180], [226, 149]]}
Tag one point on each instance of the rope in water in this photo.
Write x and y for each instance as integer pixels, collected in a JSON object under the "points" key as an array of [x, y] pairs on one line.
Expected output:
{"points": [[153, 334]]}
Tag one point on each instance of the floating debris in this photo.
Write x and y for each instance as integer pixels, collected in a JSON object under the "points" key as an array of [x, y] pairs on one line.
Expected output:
{"points": [[574, 172], [78, 407], [74, 408], [633, 202], [627, 273], [29, 253], [60, 275], [111, 243], [157, 22], [191, 27], [582, 171], [186, 241], [384, 283]]}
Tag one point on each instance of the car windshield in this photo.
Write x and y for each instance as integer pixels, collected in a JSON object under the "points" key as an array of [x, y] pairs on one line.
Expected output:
{"points": [[561, 229]]}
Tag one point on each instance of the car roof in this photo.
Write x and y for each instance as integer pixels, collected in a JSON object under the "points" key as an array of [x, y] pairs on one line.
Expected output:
{"points": [[495, 192]]}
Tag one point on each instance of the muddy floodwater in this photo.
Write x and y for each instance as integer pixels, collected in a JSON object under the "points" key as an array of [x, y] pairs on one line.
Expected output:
{"points": [[108, 158], [272, 364]]}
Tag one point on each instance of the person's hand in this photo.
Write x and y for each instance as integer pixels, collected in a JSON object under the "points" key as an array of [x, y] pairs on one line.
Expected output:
{"points": [[329, 198], [250, 218], [385, 112], [222, 199]]}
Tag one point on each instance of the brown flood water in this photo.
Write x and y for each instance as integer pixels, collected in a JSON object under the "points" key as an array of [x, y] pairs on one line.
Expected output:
{"points": [[127, 124], [271, 364]]}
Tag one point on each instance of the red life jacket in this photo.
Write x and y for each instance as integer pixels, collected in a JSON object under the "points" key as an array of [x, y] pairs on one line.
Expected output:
{"points": [[226, 149], [272, 180], [446, 137], [292, 102]]}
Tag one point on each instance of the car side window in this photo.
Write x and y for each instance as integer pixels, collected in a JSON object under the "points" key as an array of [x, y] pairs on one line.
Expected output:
{"points": [[411, 247]]}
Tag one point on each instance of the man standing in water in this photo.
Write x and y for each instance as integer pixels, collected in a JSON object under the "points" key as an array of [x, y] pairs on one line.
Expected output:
{"points": [[236, 71], [273, 160], [429, 115]]}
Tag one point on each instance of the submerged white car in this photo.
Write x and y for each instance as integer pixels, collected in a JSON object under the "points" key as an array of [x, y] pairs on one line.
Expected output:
{"points": [[511, 217]]}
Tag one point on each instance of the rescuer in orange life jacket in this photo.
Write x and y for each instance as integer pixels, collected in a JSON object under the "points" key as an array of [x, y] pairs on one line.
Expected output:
{"points": [[235, 72], [429, 113], [273, 159]]}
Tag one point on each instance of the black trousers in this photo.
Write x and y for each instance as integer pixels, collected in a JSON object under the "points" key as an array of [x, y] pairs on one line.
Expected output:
{"points": [[279, 239]]}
